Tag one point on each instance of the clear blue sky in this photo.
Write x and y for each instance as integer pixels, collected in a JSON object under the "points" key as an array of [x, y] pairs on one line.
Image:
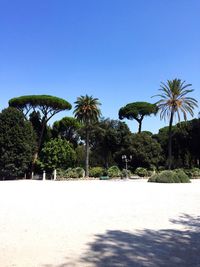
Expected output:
{"points": [[116, 50]]}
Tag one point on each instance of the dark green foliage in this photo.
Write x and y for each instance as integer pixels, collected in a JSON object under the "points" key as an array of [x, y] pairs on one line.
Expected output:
{"points": [[107, 138], [170, 177], [163, 138], [97, 172], [35, 119], [114, 171], [80, 155], [137, 111], [145, 151], [58, 153], [185, 143], [141, 172], [17, 143], [133, 110], [42, 101], [67, 128]]}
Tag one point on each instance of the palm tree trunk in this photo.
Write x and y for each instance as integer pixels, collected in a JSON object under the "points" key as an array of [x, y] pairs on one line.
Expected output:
{"points": [[170, 141], [87, 153]]}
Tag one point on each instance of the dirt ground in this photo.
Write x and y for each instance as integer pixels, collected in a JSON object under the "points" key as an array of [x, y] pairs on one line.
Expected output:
{"points": [[125, 223]]}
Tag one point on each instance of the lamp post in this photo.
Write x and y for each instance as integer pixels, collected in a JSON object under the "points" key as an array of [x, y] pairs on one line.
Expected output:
{"points": [[126, 160]]}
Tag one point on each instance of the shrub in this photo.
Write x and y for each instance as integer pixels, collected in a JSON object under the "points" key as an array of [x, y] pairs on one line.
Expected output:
{"points": [[114, 171], [96, 172], [57, 153], [166, 177], [125, 173], [141, 172], [70, 173], [61, 174], [188, 173], [161, 168], [183, 177], [150, 172], [193, 173], [170, 177], [153, 178], [80, 172]]}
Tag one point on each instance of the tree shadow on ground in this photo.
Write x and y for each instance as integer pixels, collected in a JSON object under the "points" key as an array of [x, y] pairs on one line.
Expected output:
{"points": [[146, 248]]}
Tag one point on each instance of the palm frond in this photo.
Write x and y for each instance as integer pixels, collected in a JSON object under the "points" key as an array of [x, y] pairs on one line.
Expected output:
{"points": [[174, 99]]}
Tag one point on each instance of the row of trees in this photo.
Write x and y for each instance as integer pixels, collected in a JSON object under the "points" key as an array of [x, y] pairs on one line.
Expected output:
{"points": [[28, 143]]}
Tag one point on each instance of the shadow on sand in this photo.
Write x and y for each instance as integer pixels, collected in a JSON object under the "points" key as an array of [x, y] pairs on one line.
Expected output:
{"points": [[146, 248]]}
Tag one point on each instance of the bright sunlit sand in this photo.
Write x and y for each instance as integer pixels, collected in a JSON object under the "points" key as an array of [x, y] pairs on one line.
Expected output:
{"points": [[99, 223]]}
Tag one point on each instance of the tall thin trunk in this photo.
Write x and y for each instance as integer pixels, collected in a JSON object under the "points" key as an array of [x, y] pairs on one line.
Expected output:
{"points": [[35, 157], [170, 141], [140, 126], [139, 120], [87, 153]]}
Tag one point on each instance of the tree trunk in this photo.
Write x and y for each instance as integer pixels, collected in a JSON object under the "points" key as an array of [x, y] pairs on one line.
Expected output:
{"points": [[140, 126], [87, 153], [139, 120], [170, 141], [35, 157]]}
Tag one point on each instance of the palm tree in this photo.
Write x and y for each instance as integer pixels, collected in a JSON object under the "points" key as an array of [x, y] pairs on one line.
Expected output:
{"points": [[87, 112], [174, 102]]}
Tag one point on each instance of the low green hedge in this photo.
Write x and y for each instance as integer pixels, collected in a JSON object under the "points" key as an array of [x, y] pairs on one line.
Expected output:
{"points": [[177, 176], [193, 173], [97, 172], [70, 173], [141, 172], [114, 171], [126, 174]]}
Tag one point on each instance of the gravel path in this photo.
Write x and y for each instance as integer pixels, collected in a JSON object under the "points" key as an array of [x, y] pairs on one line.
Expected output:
{"points": [[99, 224]]}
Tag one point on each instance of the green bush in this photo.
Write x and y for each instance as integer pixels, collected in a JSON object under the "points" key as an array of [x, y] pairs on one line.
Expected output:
{"points": [[150, 172], [57, 153], [114, 171], [177, 176], [153, 178], [125, 173], [161, 168], [188, 173], [193, 173], [183, 177], [61, 174], [70, 173], [80, 172], [141, 172], [96, 172]]}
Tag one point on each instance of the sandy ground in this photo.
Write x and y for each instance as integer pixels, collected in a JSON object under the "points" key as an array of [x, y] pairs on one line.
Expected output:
{"points": [[99, 223]]}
